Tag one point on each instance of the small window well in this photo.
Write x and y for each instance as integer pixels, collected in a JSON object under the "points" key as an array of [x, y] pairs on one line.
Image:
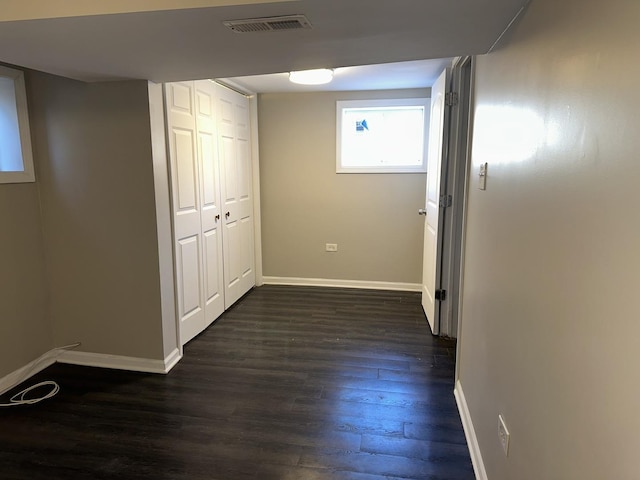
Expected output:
{"points": [[382, 136], [16, 159]]}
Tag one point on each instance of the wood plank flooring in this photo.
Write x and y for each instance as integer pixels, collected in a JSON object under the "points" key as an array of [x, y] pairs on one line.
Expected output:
{"points": [[292, 383]]}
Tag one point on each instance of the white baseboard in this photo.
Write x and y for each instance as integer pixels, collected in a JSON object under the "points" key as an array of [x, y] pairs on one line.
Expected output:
{"points": [[327, 282], [172, 360], [470, 433], [88, 359], [119, 362], [18, 376]]}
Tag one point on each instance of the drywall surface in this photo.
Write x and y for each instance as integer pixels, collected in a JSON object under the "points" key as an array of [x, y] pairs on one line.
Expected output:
{"points": [[305, 204], [73, 8], [25, 330], [92, 147], [550, 323], [163, 217]]}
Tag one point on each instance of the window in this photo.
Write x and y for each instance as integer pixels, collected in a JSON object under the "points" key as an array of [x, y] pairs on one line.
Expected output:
{"points": [[382, 136], [16, 159]]}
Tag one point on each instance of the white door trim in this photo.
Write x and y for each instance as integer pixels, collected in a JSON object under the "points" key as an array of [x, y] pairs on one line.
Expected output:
{"points": [[458, 152], [470, 61], [164, 221], [257, 218]]}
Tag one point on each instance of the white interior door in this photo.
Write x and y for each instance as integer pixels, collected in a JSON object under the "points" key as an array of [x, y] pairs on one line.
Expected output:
{"points": [[211, 216], [435, 170], [185, 180], [234, 147]]}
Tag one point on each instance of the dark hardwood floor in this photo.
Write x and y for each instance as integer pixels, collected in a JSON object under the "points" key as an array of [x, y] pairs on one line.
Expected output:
{"points": [[292, 383]]}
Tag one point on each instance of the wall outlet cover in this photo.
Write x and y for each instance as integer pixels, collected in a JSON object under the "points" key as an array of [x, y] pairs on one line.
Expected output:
{"points": [[503, 435]]}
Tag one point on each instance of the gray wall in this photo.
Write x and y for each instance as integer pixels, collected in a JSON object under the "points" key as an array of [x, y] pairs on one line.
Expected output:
{"points": [[550, 322], [25, 330], [305, 204], [92, 148]]}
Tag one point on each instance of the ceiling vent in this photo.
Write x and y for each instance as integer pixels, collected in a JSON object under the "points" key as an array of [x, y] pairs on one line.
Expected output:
{"points": [[269, 24]]}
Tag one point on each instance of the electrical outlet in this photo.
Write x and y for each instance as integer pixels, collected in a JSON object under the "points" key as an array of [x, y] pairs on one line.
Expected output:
{"points": [[503, 435], [331, 247]]}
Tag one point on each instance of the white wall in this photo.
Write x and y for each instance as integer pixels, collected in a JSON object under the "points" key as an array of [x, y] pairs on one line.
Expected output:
{"points": [[551, 321]]}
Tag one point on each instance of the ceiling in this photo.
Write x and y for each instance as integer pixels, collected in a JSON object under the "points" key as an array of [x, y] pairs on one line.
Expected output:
{"points": [[185, 39], [388, 76]]}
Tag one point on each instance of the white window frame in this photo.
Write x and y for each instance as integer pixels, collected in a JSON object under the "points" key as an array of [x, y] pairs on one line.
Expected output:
{"points": [[341, 105], [27, 173]]}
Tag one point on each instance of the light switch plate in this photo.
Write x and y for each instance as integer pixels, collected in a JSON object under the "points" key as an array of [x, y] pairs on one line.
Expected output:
{"points": [[483, 176]]}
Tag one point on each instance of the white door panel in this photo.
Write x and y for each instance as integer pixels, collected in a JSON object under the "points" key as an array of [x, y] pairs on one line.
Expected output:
{"points": [[228, 169], [235, 170], [211, 177], [211, 222], [185, 182], [189, 262], [431, 253], [214, 287], [180, 98], [186, 167], [232, 281], [244, 169], [189, 286], [246, 257]]}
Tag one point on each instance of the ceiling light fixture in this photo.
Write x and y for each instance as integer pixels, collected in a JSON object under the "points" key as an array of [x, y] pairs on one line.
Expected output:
{"points": [[318, 76]]}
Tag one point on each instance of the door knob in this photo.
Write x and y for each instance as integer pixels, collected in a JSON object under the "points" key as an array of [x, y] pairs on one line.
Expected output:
{"points": [[226, 215], [422, 211]]}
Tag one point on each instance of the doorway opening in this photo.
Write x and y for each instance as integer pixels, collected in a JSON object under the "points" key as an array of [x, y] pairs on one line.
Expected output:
{"points": [[452, 193]]}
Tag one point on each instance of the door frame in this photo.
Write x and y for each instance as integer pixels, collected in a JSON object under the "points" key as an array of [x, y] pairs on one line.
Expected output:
{"points": [[468, 63], [160, 136], [456, 185]]}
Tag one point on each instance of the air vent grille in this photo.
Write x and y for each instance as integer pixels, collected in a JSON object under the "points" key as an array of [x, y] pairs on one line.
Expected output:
{"points": [[269, 24]]}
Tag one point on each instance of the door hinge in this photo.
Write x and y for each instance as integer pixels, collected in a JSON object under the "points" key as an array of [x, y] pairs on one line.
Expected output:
{"points": [[441, 295], [446, 200], [451, 99]]}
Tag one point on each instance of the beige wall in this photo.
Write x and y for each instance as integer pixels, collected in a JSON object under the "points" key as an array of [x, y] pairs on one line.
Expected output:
{"points": [[36, 9], [25, 330], [305, 204], [92, 148], [551, 319]]}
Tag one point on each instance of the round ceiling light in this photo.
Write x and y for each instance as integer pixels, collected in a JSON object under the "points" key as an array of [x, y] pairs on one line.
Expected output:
{"points": [[318, 76]]}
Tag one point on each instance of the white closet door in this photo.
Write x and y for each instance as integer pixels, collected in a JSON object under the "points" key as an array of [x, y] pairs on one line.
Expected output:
{"points": [[185, 180], [211, 216], [234, 147]]}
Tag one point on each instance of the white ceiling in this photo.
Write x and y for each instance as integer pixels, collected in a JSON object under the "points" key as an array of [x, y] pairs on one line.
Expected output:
{"points": [[191, 43], [388, 76]]}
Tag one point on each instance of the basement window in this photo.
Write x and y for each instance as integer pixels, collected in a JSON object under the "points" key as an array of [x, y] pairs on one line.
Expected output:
{"points": [[382, 136], [16, 159]]}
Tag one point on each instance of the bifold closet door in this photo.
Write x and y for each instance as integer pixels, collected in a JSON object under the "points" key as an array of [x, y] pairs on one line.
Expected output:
{"points": [[234, 160], [195, 200], [210, 214]]}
